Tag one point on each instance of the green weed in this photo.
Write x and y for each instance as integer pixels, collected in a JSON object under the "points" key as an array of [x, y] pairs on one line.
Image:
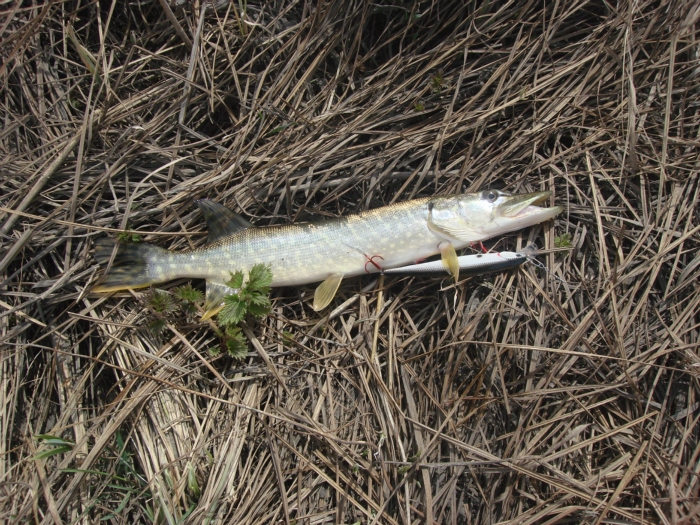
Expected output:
{"points": [[563, 241], [251, 298]]}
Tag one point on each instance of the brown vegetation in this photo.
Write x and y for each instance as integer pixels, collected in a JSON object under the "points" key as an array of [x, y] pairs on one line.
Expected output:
{"points": [[565, 395]]}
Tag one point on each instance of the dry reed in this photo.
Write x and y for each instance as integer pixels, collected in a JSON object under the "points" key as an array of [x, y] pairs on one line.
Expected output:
{"points": [[568, 395]]}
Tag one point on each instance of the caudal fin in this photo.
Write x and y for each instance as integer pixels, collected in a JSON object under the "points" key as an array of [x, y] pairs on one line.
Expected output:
{"points": [[130, 267]]}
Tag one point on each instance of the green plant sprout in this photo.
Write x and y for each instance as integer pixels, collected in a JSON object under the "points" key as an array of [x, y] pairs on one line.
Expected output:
{"points": [[123, 482], [563, 241], [162, 304], [249, 298], [438, 82], [189, 298], [127, 237]]}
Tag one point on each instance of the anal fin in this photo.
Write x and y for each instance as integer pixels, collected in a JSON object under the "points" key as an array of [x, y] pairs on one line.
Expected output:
{"points": [[214, 301], [326, 291], [449, 258]]}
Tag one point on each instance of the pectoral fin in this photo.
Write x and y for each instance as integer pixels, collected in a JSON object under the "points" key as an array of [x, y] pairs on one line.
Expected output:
{"points": [[215, 299], [326, 291], [449, 258]]}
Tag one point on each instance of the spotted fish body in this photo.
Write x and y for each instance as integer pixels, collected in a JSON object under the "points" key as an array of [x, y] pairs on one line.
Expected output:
{"points": [[310, 252], [387, 237]]}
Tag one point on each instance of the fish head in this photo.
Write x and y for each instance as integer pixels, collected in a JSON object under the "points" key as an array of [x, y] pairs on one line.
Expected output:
{"points": [[472, 217]]}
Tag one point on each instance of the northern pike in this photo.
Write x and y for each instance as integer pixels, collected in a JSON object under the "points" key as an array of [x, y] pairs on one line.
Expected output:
{"points": [[367, 242]]}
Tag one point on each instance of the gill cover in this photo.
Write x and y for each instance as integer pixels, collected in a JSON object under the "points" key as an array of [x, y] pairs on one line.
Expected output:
{"points": [[447, 219]]}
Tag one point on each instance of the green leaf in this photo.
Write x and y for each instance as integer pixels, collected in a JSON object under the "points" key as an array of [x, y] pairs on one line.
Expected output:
{"points": [[438, 81], [259, 298], [124, 457], [192, 483], [189, 511], [236, 344], [52, 452], [563, 241], [236, 281], [120, 441], [244, 296], [260, 279], [188, 294], [233, 331], [157, 326], [48, 439], [127, 237], [233, 311], [251, 297], [188, 308], [161, 302], [259, 309]]}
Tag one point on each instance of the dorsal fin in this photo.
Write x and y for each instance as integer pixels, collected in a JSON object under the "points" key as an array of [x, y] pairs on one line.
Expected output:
{"points": [[220, 220]]}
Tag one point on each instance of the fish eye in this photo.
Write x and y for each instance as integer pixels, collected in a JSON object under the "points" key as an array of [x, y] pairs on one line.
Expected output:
{"points": [[491, 195]]}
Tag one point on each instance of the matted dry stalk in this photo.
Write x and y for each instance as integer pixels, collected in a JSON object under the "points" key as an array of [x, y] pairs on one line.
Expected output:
{"points": [[565, 395]]}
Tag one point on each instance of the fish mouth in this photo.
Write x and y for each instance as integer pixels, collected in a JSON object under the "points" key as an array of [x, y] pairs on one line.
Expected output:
{"points": [[519, 206]]}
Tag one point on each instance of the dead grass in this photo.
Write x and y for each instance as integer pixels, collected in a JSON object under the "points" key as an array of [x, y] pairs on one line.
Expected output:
{"points": [[565, 396]]}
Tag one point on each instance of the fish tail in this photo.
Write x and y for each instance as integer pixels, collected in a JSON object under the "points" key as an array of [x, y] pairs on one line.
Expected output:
{"points": [[132, 266]]}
